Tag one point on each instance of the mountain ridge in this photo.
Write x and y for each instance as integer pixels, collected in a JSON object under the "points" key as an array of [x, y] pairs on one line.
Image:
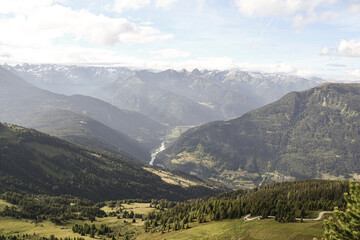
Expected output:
{"points": [[34, 162], [313, 133], [170, 97]]}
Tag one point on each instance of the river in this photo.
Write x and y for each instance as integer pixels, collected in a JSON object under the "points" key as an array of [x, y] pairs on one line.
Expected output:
{"points": [[153, 154]]}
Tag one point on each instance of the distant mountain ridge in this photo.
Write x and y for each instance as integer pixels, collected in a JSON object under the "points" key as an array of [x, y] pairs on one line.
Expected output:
{"points": [[192, 98], [309, 134], [67, 79], [170, 97]]}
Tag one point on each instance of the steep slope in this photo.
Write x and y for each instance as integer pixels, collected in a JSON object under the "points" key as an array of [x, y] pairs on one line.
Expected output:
{"points": [[37, 163], [306, 134], [85, 131], [20, 99]]}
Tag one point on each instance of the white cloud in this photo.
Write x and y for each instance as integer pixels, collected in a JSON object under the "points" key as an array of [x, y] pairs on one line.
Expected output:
{"points": [[67, 55], [42, 22], [300, 21], [120, 5], [326, 51], [301, 12], [169, 53], [355, 8], [269, 68], [354, 74], [349, 48], [96, 56], [346, 48], [165, 4], [264, 8]]}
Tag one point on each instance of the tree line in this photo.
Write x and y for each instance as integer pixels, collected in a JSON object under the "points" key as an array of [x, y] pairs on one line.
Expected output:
{"points": [[286, 201]]}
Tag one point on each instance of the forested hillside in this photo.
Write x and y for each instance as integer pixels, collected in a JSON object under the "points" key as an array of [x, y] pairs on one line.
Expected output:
{"points": [[309, 134], [33, 162], [284, 201]]}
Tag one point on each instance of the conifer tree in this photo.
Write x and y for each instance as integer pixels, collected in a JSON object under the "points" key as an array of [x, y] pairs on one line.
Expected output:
{"points": [[346, 224]]}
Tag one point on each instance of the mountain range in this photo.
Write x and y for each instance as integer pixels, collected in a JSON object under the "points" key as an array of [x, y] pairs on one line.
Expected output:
{"points": [[308, 134], [175, 98]]}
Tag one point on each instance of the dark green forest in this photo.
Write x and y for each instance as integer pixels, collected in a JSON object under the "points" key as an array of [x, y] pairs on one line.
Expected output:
{"points": [[285, 201], [33, 162], [54, 208]]}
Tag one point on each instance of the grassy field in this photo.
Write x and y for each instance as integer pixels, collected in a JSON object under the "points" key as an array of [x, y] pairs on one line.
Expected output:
{"points": [[239, 229], [174, 179], [137, 208], [228, 229], [13, 226], [140, 208]]}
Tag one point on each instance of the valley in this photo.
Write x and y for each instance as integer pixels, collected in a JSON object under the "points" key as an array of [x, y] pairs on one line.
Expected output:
{"points": [[169, 119], [309, 134], [109, 172]]}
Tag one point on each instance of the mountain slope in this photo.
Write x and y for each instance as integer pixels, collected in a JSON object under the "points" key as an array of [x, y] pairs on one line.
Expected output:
{"points": [[20, 99], [85, 131], [37, 163], [306, 134]]}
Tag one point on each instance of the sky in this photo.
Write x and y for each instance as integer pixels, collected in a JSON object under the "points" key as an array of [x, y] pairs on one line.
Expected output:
{"points": [[298, 37]]}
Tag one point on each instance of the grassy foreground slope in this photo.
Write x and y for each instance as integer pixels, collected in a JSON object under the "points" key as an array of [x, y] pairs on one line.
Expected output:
{"points": [[219, 216], [236, 229], [228, 229], [309, 134], [34, 162]]}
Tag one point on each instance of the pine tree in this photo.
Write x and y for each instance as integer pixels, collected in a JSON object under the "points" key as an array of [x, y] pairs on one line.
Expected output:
{"points": [[346, 225]]}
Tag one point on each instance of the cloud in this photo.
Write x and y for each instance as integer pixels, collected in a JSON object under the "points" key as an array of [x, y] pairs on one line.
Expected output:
{"points": [[165, 4], [265, 8], [354, 73], [355, 8], [336, 65], [120, 5], [269, 68], [346, 48], [43, 22], [349, 48], [326, 51], [302, 12], [169, 53], [300, 21]]}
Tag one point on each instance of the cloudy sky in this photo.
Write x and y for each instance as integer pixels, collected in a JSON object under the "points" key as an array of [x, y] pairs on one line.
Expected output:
{"points": [[303, 37]]}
